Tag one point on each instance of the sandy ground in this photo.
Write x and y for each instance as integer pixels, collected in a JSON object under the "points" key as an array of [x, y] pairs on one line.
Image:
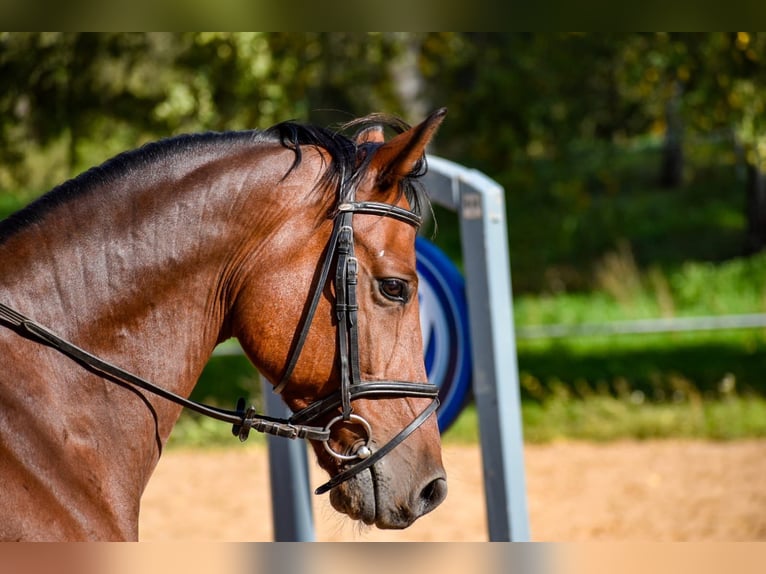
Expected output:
{"points": [[577, 492]]}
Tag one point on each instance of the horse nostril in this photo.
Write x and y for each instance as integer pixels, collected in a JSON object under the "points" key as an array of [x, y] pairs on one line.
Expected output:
{"points": [[432, 495]]}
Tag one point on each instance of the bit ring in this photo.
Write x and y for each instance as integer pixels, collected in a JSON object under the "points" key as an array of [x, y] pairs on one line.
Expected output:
{"points": [[362, 451]]}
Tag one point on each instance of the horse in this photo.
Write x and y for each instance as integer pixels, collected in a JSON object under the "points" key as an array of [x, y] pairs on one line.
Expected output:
{"points": [[117, 285]]}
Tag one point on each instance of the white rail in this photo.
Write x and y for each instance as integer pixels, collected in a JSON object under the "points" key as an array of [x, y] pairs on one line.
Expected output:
{"points": [[643, 326]]}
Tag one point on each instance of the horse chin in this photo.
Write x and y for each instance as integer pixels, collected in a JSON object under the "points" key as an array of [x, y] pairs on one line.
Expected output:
{"points": [[365, 498], [356, 498]]}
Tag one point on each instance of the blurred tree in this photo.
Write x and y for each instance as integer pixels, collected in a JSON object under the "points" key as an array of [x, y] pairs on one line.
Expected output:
{"points": [[744, 100], [85, 89], [513, 97], [101, 93], [519, 96], [726, 91]]}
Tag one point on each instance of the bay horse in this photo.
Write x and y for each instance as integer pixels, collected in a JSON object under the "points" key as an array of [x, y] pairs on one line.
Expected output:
{"points": [[116, 286]]}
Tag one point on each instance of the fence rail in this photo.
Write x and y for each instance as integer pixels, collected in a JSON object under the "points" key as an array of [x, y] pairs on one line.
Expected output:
{"points": [[642, 326], [635, 327]]}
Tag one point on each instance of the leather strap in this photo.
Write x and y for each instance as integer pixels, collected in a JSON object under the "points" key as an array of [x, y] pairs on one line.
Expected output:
{"points": [[366, 463], [306, 326], [365, 389], [383, 210], [345, 288], [241, 419]]}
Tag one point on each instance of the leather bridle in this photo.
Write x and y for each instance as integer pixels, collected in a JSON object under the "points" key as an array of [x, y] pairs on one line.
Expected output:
{"points": [[341, 250]]}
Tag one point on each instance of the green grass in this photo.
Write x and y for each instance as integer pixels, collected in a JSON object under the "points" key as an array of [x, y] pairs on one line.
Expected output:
{"points": [[626, 291], [599, 418], [659, 366], [700, 385], [195, 431], [606, 418]]}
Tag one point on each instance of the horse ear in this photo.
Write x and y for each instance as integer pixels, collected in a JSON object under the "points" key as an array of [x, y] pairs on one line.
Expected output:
{"points": [[372, 134], [397, 157]]}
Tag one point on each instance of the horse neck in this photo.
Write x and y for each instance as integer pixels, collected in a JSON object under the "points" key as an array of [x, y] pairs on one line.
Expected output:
{"points": [[143, 283], [143, 273]]}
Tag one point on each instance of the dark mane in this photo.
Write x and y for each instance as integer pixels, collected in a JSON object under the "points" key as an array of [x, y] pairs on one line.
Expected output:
{"points": [[345, 168], [343, 152]]}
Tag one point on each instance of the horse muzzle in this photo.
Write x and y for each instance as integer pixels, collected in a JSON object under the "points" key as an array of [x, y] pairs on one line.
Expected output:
{"points": [[381, 498]]}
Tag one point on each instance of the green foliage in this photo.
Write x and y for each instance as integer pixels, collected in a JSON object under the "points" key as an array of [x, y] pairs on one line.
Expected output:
{"points": [[567, 217], [665, 229], [540, 94], [225, 379], [97, 94], [547, 115], [514, 96]]}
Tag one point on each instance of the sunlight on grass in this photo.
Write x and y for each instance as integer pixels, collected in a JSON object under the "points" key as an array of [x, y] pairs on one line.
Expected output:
{"points": [[599, 418], [195, 431], [606, 418]]}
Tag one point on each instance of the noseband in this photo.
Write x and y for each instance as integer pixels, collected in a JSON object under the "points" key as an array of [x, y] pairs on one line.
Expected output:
{"points": [[341, 250]]}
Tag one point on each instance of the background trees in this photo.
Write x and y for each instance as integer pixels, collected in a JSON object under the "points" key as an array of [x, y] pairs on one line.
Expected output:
{"points": [[551, 116]]}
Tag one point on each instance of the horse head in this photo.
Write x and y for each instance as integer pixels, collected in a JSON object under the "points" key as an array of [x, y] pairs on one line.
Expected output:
{"points": [[351, 357]]}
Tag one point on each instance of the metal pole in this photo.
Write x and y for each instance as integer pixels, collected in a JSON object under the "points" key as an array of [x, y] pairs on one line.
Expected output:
{"points": [[291, 511], [481, 209]]}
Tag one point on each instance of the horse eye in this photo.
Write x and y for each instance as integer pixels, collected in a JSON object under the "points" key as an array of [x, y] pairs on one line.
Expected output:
{"points": [[394, 289]]}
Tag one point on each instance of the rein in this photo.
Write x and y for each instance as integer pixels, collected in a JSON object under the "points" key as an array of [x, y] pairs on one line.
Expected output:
{"points": [[243, 420], [341, 250]]}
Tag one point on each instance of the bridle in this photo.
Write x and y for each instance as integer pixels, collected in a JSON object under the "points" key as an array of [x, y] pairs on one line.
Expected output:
{"points": [[340, 249]]}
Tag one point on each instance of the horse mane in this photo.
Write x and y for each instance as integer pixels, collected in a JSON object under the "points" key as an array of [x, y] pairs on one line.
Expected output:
{"points": [[343, 168], [350, 160]]}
